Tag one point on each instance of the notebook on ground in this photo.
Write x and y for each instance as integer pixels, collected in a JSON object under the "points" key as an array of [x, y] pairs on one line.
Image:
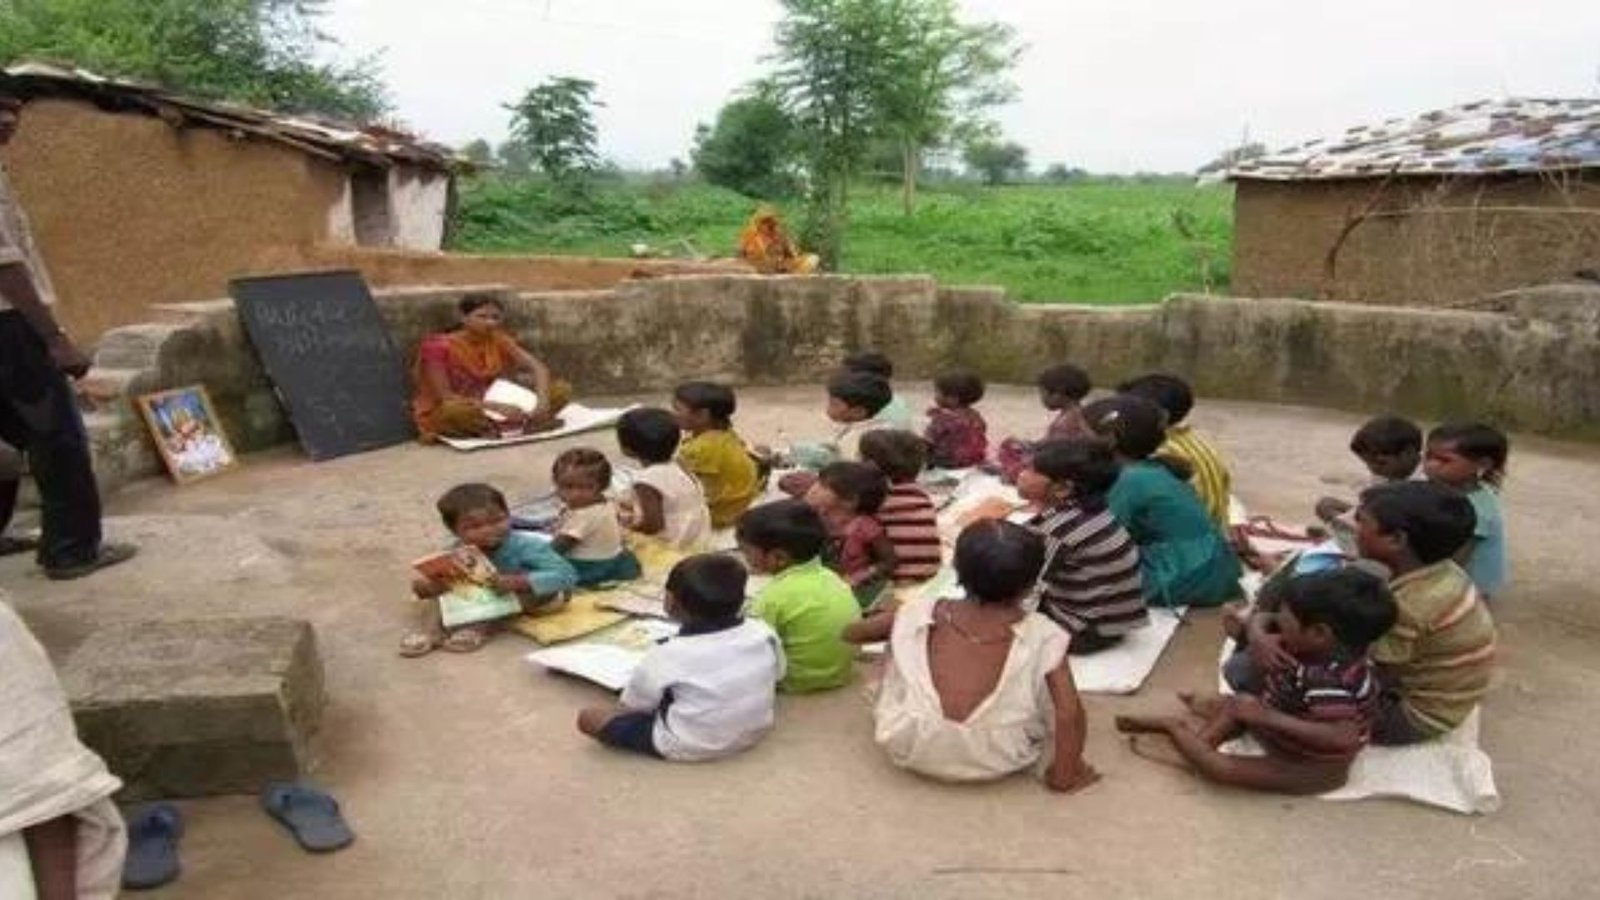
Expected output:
{"points": [[575, 419]]}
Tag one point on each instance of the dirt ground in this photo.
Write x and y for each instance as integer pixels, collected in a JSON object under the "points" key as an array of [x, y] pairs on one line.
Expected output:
{"points": [[464, 776]]}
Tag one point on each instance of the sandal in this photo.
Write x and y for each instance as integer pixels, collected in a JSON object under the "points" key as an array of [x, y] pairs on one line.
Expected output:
{"points": [[466, 640], [418, 643]]}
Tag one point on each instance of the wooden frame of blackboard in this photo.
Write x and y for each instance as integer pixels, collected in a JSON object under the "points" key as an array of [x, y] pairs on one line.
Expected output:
{"points": [[148, 403]]}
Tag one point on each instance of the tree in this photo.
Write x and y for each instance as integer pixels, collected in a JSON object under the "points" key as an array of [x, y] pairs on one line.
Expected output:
{"points": [[514, 159], [554, 123], [1061, 173], [997, 162], [478, 152], [258, 52], [942, 78], [751, 148]]}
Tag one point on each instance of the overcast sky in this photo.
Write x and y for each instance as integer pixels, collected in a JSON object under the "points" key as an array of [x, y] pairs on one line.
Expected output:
{"points": [[1108, 85]]}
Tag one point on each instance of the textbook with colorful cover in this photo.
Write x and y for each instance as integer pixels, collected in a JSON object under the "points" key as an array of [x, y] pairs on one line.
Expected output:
{"points": [[471, 599]]}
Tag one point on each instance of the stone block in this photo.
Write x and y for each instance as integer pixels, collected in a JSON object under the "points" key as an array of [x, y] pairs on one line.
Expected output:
{"points": [[195, 708]]}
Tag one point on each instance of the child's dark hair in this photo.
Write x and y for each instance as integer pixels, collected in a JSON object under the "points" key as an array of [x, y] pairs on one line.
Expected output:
{"points": [[1066, 380], [1435, 520], [998, 561], [862, 485], [1386, 436], [900, 455], [861, 390], [469, 498], [1136, 428], [649, 435], [471, 303], [1483, 444], [1356, 605], [1169, 392], [965, 388], [584, 459], [716, 399], [871, 362], [1088, 464], [709, 587], [787, 525]]}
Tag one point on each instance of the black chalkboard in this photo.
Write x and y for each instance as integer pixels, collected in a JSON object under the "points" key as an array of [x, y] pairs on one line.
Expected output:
{"points": [[325, 347]]}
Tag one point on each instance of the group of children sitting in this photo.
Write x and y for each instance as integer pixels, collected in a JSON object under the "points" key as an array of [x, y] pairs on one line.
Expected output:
{"points": [[1378, 635]]}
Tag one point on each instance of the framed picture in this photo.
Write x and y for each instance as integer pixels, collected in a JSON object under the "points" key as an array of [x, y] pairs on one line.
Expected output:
{"points": [[187, 432]]}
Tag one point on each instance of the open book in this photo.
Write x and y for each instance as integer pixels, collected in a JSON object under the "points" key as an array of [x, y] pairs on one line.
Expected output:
{"points": [[511, 394], [470, 598]]}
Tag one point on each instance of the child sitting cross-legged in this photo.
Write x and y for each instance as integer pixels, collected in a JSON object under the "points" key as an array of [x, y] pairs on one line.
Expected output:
{"points": [[1391, 449], [528, 568], [847, 495], [908, 515], [957, 436], [978, 689], [1091, 584], [1315, 712], [710, 691], [713, 452], [1061, 391], [1471, 458], [588, 532], [1210, 477], [668, 503], [805, 603]]}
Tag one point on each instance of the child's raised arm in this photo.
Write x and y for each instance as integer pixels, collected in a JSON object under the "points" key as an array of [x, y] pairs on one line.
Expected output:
{"points": [[1068, 772]]}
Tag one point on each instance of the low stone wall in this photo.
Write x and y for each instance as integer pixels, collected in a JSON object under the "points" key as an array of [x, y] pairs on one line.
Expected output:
{"points": [[643, 336]]}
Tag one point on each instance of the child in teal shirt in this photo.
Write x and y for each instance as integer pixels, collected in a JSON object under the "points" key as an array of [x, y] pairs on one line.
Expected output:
{"points": [[807, 604], [1471, 458], [1183, 557]]}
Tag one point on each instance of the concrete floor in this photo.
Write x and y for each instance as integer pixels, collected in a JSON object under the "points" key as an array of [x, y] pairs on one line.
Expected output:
{"points": [[464, 776]]}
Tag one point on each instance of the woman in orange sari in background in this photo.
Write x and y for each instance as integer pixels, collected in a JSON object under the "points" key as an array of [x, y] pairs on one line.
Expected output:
{"points": [[453, 370], [766, 246]]}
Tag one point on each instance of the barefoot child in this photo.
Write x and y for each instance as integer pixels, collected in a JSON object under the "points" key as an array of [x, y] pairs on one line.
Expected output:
{"points": [[588, 533], [847, 495], [908, 514], [1210, 478], [1315, 713], [957, 436], [1091, 584], [708, 693], [895, 414], [668, 503], [527, 567], [1391, 449], [713, 452], [806, 603], [1471, 458], [1061, 390], [978, 689]]}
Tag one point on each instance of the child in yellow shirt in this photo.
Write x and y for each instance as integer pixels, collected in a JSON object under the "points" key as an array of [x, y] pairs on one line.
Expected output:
{"points": [[714, 453]]}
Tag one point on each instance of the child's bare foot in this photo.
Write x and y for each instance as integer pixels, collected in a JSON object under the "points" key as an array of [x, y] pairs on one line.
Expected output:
{"points": [[1205, 706], [469, 639], [1147, 724], [419, 643]]}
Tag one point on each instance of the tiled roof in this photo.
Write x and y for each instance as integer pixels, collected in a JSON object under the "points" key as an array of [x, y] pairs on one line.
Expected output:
{"points": [[337, 141], [1487, 137]]}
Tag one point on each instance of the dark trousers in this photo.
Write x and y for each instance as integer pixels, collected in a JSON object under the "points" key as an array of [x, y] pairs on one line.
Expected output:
{"points": [[39, 416]]}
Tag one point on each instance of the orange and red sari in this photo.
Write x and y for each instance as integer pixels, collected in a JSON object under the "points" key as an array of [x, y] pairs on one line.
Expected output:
{"points": [[470, 367]]}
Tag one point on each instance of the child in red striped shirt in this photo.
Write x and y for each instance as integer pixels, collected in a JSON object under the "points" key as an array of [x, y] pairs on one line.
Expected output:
{"points": [[908, 513]]}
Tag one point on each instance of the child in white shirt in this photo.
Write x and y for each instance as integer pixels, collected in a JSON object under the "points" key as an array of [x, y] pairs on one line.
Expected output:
{"points": [[668, 502], [711, 691], [589, 532]]}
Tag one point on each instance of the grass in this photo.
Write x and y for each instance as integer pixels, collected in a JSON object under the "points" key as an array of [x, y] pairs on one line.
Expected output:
{"points": [[1088, 242]]}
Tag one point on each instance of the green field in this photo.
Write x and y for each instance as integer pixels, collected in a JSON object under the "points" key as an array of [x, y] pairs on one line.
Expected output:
{"points": [[1092, 242]]}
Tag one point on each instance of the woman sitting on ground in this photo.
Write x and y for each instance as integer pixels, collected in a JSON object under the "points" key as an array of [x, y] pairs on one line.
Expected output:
{"points": [[766, 246], [454, 370]]}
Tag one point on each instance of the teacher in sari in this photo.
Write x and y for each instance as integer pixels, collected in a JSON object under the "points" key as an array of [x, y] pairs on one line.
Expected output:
{"points": [[454, 369]]}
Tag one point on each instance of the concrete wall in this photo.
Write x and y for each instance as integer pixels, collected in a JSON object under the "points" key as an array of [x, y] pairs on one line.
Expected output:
{"points": [[645, 336], [1434, 242]]}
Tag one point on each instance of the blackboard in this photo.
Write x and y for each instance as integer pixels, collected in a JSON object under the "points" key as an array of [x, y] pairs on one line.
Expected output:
{"points": [[323, 343]]}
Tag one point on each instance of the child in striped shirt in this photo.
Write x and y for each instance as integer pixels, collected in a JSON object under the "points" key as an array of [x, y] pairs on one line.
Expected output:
{"points": [[908, 513], [1315, 712], [1211, 479], [1091, 584]]}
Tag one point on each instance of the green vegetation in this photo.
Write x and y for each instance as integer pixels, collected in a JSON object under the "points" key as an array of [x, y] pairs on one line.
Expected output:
{"points": [[1093, 241]]}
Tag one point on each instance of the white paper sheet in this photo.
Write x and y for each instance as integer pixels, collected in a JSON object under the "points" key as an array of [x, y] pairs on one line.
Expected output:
{"points": [[575, 419]]}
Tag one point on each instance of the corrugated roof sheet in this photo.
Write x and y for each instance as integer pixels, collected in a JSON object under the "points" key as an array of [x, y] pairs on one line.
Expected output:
{"points": [[1487, 137], [338, 141]]}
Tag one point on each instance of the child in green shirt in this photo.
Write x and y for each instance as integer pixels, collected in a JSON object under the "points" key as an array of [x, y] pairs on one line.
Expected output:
{"points": [[806, 603]]}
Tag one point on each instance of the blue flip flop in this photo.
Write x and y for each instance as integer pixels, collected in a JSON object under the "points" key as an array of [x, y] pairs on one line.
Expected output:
{"points": [[153, 833], [309, 814]]}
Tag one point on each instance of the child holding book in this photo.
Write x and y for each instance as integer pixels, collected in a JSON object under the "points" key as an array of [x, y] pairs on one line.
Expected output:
{"points": [[806, 603], [1471, 457], [908, 514], [588, 533], [1184, 560], [713, 452], [1061, 390], [1091, 584], [978, 689], [709, 692], [895, 414], [847, 495], [668, 503], [1315, 712], [957, 436], [1209, 477], [526, 568]]}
